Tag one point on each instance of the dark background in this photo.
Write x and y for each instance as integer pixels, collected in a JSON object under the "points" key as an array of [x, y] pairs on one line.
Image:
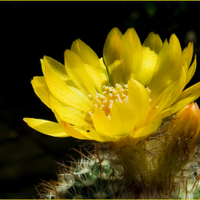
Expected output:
{"points": [[29, 30]]}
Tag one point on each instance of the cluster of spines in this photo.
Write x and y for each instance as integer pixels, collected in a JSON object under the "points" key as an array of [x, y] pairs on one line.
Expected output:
{"points": [[90, 177]]}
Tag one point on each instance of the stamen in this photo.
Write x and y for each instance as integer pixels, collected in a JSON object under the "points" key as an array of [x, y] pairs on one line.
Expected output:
{"points": [[148, 90], [110, 95]]}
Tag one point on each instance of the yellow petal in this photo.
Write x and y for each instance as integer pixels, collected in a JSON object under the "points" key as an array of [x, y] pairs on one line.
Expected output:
{"points": [[170, 94], [101, 122], [99, 136], [67, 94], [116, 73], [147, 130], [111, 56], [191, 70], [131, 54], [187, 96], [123, 119], [112, 47], [72, 131], [47, 127], [77, 71], [95, 68], [167, 68], [148, 66], [69, 114], [168, 97], [87, 55], [162, 101], [138, 101], [187, 54], [154, 42], [41, 89], [193, 92], [98, 75], [48, 62], [86, 132]]}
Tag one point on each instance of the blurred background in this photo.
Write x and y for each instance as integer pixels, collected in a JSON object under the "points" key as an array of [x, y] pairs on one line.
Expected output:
{"points": [[29, 30]]}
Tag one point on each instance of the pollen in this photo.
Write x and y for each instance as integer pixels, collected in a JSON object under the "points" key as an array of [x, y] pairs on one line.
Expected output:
{"points": [[110, 95]]}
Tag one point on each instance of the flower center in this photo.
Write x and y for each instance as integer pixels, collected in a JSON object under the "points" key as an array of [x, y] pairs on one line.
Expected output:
{"points": [[109, 96]]}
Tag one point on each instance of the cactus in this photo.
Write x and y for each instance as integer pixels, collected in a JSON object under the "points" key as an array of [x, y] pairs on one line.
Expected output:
{"points": [[98, 177], [160, 166], [93, 176]]}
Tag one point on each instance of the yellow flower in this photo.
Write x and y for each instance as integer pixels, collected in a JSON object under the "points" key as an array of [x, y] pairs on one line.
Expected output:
{"points": [[126, 93]]}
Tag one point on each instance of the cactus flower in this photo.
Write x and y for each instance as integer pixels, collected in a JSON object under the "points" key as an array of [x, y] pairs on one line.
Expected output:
{"points": [[124, 94]]}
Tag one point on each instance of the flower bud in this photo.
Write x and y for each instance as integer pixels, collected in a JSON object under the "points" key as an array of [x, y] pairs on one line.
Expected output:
{"points": [[187, 127]]}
